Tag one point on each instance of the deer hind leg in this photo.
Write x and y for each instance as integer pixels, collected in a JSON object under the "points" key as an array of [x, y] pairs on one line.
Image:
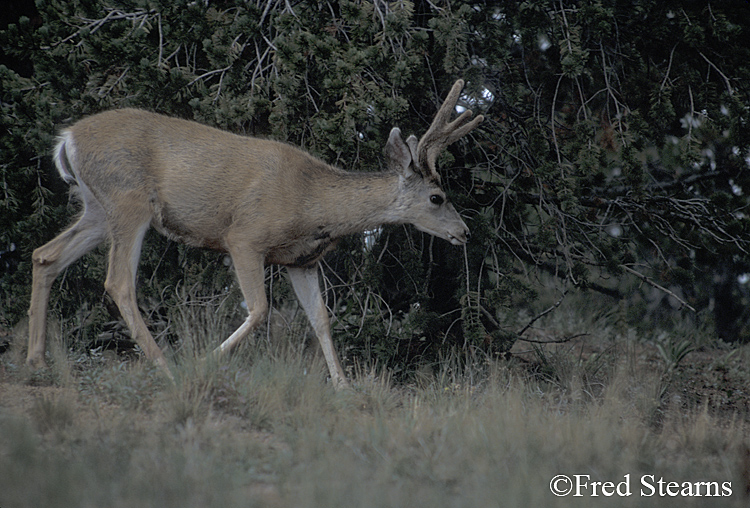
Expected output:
{"points": [[251, 276], [307, 288], [120, 284], [49, 261]]}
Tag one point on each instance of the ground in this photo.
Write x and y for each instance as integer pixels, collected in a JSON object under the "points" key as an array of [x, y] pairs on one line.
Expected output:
{"points": [[267, 429]]}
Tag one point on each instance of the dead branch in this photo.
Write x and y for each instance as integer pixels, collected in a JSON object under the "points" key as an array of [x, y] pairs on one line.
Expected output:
{"points": [[542, 314], [554, 341], [651, 282]]}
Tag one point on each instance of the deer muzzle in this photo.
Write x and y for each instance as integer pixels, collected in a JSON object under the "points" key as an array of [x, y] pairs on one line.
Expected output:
{"points": [[459, 235]]}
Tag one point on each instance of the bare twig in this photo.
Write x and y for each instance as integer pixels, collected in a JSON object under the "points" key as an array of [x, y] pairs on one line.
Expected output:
{"points": [[542, 314], [651, 282], [554, 341], [92, 25], [724, 76]]}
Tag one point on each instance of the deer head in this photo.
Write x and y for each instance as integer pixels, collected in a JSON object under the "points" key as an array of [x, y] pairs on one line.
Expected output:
{"points": [[428, 208]]}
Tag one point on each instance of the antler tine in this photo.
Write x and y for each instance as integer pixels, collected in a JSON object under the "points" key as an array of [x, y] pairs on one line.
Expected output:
{"points": [[442, 133]]}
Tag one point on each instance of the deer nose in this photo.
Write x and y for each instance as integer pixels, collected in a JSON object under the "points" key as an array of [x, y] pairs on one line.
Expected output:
{"points": [[460, 237]]}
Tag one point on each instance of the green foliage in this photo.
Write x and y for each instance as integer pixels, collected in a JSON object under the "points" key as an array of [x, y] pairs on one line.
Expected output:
{"points": [[616, 136]]}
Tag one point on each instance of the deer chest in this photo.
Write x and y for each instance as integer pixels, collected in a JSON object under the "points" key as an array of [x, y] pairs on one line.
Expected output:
{"points": [[301, 252]]}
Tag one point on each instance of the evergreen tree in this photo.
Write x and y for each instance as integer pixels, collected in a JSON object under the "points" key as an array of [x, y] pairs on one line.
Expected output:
{"points": [[614, 152]]}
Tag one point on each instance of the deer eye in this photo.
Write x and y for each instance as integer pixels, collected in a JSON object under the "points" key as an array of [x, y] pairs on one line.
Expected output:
{"points": [[437, 199]]}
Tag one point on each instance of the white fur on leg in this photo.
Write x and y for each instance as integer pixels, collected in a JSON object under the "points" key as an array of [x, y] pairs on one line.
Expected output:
{"points": [[307, 288]]}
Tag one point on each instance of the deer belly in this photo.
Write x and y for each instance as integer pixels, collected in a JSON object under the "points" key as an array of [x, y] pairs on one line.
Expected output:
{"points": [[191, 232]]}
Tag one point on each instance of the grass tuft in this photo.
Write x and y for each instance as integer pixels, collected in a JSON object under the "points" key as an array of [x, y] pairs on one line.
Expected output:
{"points": [[53, 412]]}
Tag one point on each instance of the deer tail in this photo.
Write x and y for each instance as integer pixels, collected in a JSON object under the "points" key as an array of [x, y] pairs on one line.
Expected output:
{"points": [[63, 155]]}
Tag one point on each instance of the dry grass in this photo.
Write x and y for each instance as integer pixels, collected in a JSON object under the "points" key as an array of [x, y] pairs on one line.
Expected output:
{"points": [[267, 429]]}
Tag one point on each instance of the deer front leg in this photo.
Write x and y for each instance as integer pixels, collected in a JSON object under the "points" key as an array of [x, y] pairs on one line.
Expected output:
{"points": [[307, 288], [251, 276]]}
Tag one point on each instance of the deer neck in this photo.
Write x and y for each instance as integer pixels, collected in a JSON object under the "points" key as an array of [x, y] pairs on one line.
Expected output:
{"points": [[361, 201]]}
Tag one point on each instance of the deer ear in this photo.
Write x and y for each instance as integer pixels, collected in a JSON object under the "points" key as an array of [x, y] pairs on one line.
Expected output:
{"points": [[399, 154], [413, 143]]}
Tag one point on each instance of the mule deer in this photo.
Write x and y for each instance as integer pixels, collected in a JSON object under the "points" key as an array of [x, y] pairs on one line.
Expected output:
{"points": [[260, 201]]}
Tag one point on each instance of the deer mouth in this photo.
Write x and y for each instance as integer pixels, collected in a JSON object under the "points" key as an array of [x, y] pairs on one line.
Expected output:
{"points": [[456, 240]]}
